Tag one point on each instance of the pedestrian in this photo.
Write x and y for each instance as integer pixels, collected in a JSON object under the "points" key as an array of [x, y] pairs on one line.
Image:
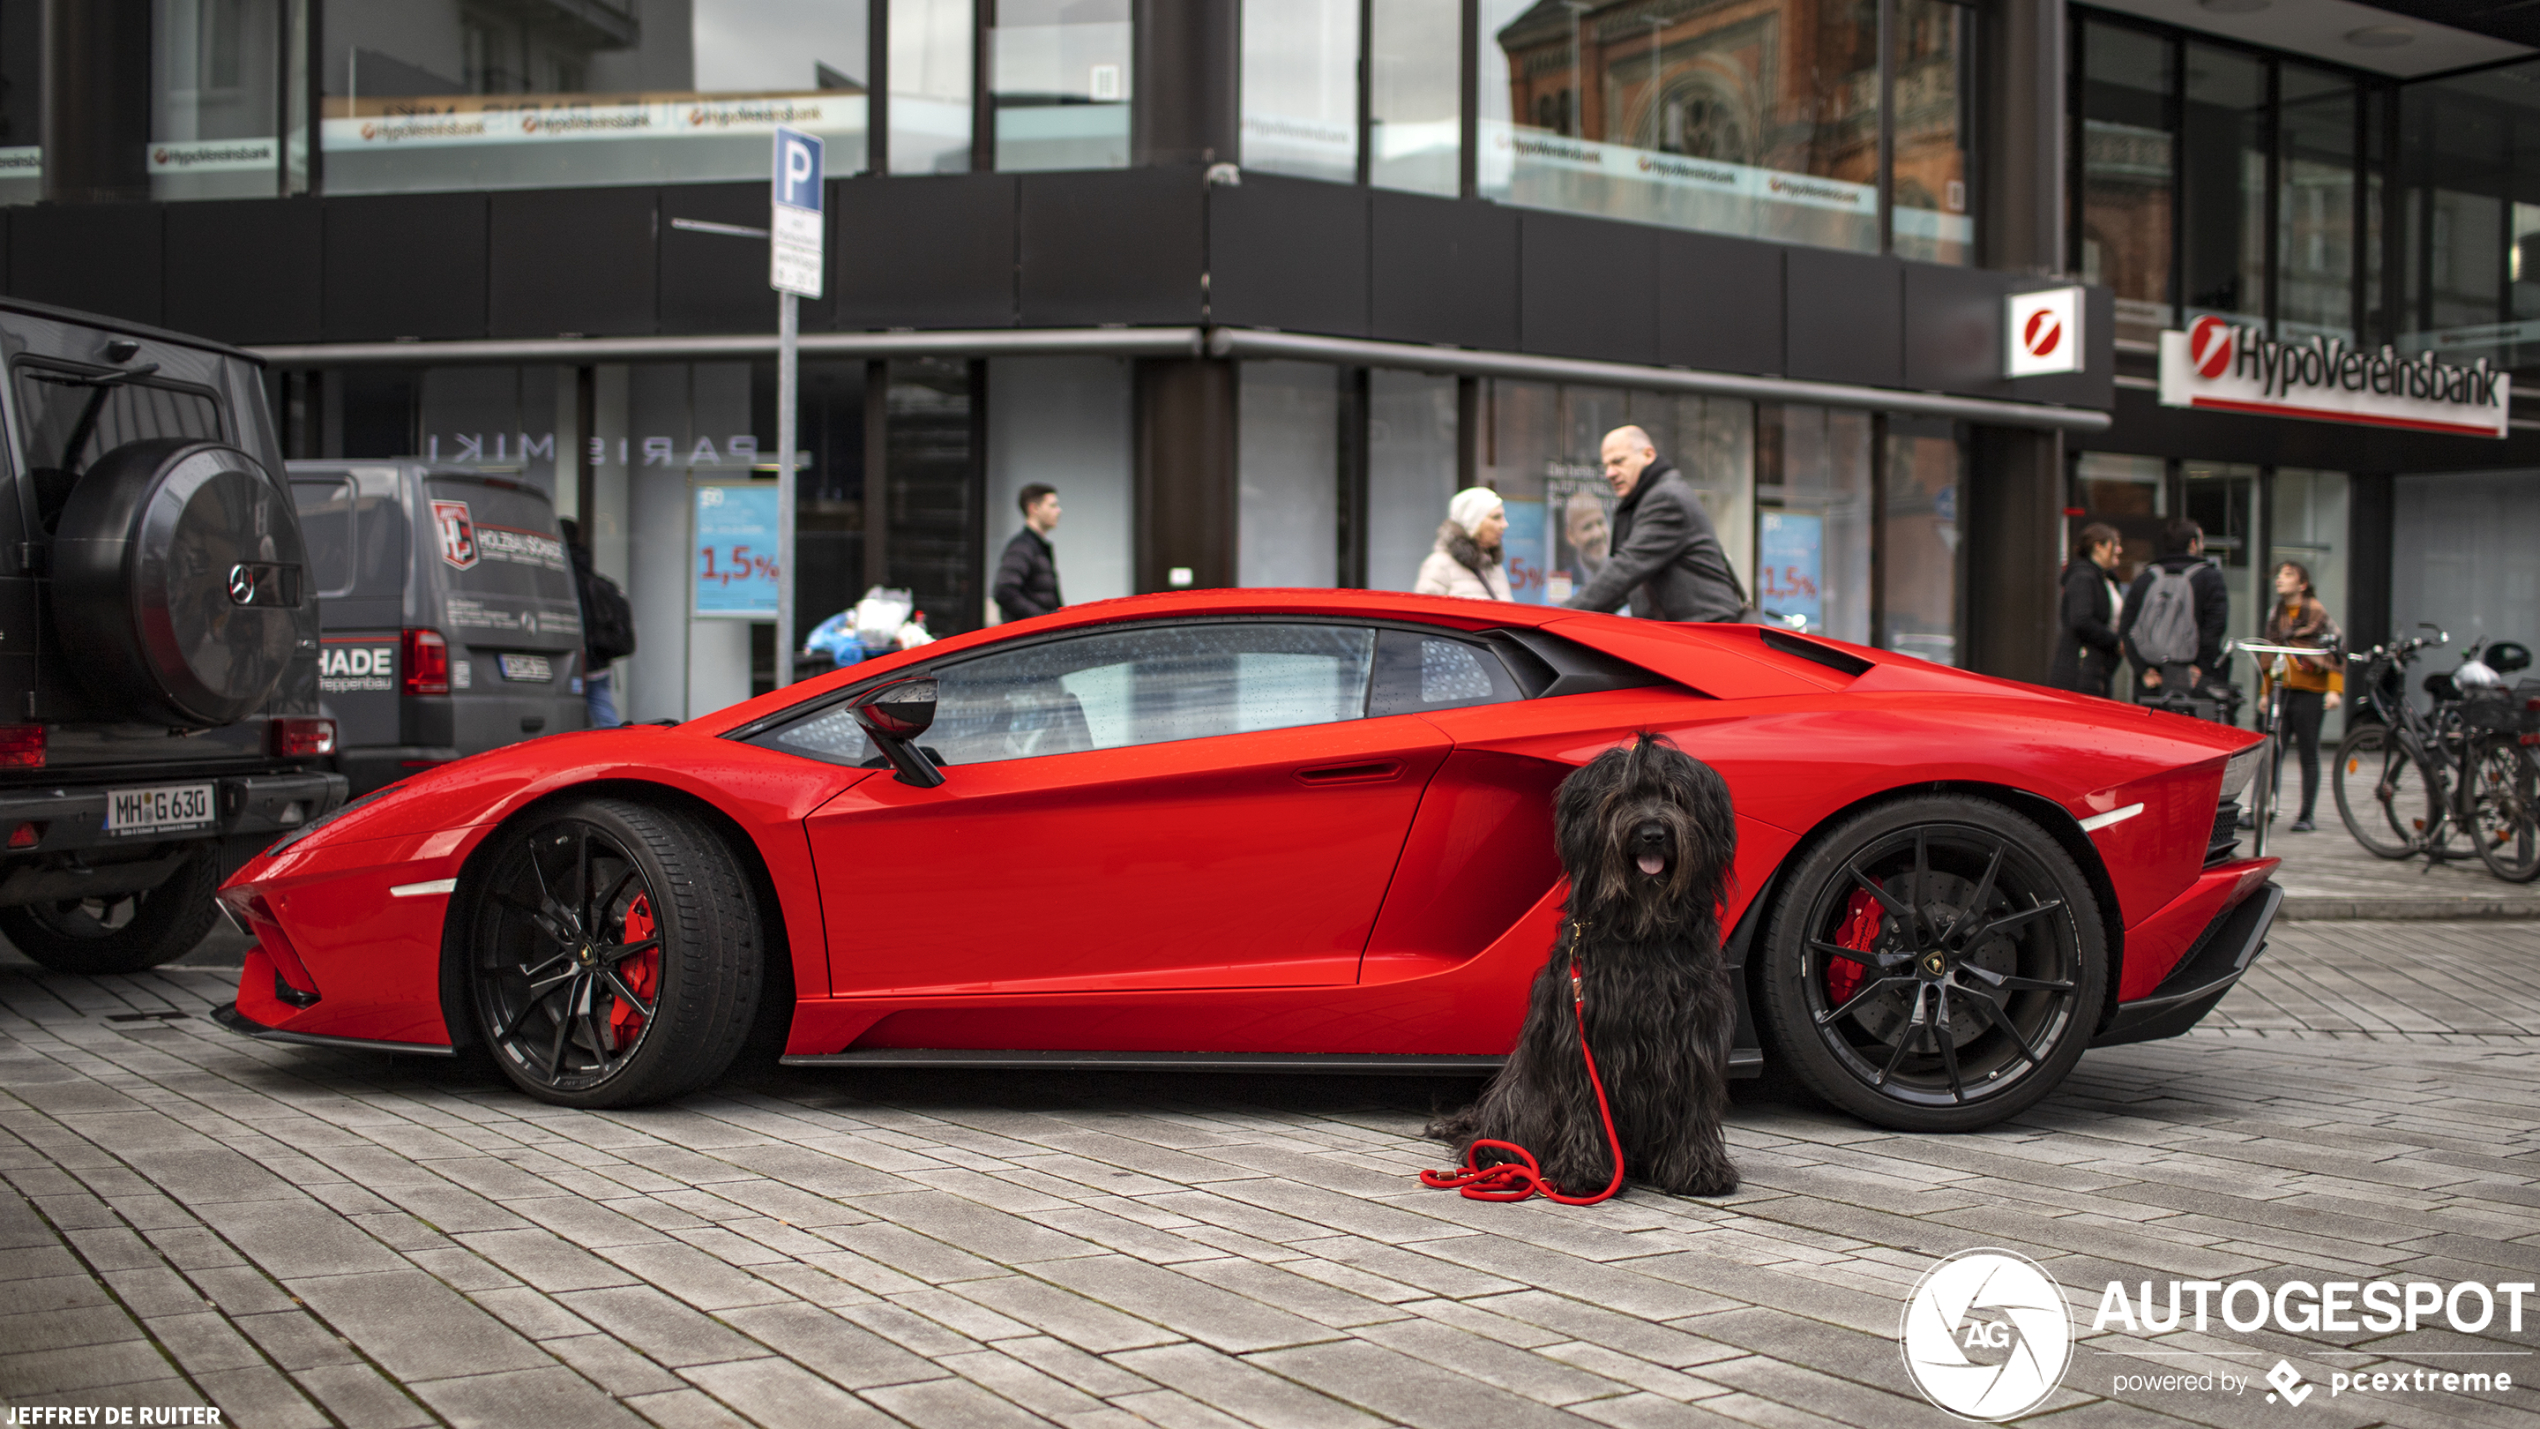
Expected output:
{"points": [[1027, 576], [2175, 616], [2086, 652], [1466, 560], [608, 629], [1664, 557], [2313, 685]]}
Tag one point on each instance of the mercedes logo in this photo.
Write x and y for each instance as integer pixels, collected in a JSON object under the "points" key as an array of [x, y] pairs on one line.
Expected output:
{"points": [[242, 586]]}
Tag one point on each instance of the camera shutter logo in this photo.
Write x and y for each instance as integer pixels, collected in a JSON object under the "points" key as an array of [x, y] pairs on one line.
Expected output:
{"points": [[1986, 1334]]}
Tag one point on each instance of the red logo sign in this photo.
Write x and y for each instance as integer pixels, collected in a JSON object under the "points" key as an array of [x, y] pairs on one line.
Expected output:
{"points": [[2209, 346], [457, 531], [2042, 334]]}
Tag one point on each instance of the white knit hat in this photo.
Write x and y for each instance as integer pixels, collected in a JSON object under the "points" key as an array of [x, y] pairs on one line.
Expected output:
{"points": [[1471, 507]]}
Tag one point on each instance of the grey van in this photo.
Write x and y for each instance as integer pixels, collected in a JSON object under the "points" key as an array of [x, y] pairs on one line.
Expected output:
{"points": [[451, 622]]}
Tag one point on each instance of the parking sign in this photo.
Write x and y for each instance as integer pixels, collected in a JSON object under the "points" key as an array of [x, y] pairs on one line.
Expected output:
{"points": [[794, 249]]}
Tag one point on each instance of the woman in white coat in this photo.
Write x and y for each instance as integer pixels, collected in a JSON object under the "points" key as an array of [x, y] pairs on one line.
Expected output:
{"points": [[1466, 559]]}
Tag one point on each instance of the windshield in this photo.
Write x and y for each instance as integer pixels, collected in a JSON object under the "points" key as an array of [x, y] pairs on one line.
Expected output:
{"points": [[71, 419]]}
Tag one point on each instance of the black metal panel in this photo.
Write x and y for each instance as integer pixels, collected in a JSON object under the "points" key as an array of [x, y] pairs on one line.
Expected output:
{"points": [[933, 251], [571, 261], [1719, 303], [1289, 254], [1443, 270], [1118, 247], [1846, 317], [2096, 384], [1588, 287], [717, 282], [99, 258], [405, 265], [1953, 330], [245, 270]]}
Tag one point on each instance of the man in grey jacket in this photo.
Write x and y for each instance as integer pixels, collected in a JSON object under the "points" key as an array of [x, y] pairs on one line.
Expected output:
{"points": [[1666, 558]]}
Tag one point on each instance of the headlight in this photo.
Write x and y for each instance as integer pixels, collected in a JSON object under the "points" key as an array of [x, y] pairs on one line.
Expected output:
{"points": [[2241, 768]]}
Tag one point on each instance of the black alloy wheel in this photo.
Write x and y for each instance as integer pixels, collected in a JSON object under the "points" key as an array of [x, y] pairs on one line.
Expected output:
{"points": [[1933, 964], [119, 932], [614, 955]]}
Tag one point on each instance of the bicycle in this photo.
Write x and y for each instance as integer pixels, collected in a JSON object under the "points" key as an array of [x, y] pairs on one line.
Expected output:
{"points": [[2459, 767]]}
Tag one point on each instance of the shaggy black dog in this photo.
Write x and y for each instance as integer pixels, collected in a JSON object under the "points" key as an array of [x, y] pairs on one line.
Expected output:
{"points": [[1646, 835]]}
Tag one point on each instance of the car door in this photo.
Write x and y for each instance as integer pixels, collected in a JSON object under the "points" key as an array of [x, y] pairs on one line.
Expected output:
{"points": [[1197, 804]]}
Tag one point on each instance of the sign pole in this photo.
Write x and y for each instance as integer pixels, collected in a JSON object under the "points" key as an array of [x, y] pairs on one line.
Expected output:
{"points": [[788, 380]]}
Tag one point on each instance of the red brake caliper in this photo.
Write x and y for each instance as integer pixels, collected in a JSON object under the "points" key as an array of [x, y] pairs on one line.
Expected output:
{"points": [[640, 973], [1860, 931]]}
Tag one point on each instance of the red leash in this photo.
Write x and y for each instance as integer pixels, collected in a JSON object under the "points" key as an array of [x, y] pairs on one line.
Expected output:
{"points": [[1517, 1180]]}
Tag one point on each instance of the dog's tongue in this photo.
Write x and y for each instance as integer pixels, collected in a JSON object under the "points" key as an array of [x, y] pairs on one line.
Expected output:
{"points": [[1652, 864]]}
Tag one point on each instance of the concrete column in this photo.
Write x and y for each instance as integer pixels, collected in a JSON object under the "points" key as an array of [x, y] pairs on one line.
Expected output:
{"points": [[1188, 68], [1185, 496], [96, 100]]}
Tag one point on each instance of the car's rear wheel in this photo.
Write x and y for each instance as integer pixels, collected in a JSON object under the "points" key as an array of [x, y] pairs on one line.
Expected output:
{"points": [[1933, 964], [613, 955], [121, 932]]}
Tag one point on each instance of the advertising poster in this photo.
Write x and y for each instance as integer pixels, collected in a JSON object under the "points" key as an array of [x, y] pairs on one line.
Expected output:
{"points": [[735, 551], [1580, 511], [1790, 559], [1522, 550]]}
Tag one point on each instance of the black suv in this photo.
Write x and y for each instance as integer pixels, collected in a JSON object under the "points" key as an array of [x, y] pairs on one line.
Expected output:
{"points": [[158, 639]]}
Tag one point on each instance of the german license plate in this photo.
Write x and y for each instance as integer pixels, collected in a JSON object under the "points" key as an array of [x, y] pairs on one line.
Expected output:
{"points": [[528, 667], [141, 811]]}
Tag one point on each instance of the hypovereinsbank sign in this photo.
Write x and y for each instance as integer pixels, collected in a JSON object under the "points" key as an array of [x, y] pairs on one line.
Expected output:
{"points": [[2222, 366]]}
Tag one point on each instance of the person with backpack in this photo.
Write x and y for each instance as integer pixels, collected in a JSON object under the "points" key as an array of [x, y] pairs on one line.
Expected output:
{"points": [[608, 629], [2176, 615]]}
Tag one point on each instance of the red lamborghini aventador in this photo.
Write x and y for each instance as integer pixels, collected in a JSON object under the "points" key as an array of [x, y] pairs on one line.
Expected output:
{"points": [[1284, 830]]}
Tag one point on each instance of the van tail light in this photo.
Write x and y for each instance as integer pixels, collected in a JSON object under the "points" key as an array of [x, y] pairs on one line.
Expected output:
{"points": [[298, 737], [427, 663], [21, 746], [251, 910]]}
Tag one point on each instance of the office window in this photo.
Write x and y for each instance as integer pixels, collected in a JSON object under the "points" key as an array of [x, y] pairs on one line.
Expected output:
{"points": [[1935, 82], [221, 121], [1415, 95], [1922, 576], [2128, 148], [1060, 76], [1287, 530], [930, 86], [2223, 183], [2315, 205], [1812, 525], [602, 92], [1300, 88]]}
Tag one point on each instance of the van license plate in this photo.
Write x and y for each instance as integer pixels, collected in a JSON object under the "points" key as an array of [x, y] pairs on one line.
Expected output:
{"points": [[142, 811], [528, 667]]}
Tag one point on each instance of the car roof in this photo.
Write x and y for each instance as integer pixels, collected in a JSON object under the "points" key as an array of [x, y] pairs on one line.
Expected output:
{"points": [[125, 326]]}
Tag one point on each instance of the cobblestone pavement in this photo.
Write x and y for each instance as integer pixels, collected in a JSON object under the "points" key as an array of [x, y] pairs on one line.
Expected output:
{"points": [[2327, 875], [303, 1237]]}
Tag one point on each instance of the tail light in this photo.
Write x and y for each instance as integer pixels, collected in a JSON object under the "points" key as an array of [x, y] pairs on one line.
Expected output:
{"points": [[26, 835], [251, 911], [297, 737], [21, 746], [427, 663]]}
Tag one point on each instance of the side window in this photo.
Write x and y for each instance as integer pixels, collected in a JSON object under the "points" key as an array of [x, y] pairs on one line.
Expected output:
{"points": [[1112, 689], [1418, 671], [326, 512]]}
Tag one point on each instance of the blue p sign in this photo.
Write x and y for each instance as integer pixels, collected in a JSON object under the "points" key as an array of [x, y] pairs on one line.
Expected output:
{"points": [[797, 169]]}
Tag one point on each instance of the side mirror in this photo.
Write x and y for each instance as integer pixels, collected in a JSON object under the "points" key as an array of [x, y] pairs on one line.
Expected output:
{"points": [[893, 716]]}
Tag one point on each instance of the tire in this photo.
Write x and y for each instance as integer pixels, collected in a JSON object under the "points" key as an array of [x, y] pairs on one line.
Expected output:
{"points": [[1867, 952], [2505, 809], [612, 954], [122, 933], [2384, 796]]}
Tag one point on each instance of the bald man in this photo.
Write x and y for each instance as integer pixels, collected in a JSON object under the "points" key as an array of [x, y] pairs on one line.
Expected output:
{"points": [[1665, 557]]}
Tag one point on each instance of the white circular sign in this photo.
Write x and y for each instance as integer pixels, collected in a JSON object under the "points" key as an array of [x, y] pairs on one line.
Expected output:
{"points": [[1986, 1334]]}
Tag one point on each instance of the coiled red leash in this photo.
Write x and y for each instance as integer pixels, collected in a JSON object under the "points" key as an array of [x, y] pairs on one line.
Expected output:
{"points": [[1523, 1178]]}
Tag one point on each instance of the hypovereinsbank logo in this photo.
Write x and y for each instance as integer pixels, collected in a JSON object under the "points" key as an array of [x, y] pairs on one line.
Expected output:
{"points": [[1986, 1334]]}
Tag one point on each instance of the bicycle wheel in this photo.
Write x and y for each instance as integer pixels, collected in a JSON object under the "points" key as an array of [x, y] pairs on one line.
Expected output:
{"points": [[2505, 809], [2386, 798]]}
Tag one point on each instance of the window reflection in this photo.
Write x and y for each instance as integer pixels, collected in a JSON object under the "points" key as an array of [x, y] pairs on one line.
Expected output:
{"points": [[1415, 96], [1061, 79], [930, 86], [1918, 509], [2315, 193], [2127, 153], [217, 68], [1935, 81], [2223, 180], [1300, 88]]}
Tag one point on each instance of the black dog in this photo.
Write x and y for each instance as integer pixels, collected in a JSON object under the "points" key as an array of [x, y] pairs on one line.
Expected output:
{"points": [[1647, 836]]}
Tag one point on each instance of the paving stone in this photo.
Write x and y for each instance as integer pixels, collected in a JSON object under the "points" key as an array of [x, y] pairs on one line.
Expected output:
{"points": [[1179, 1302], [686, 1409], [782, 1395], [606, 1362], [952, 1404], [62, 1329], [356, 1394], [658, 1325], [552, 1397], [257, 1394], [414, 1327], [1407, 1390], [1537, 1376], [1079, 1319], [835, 1347]]}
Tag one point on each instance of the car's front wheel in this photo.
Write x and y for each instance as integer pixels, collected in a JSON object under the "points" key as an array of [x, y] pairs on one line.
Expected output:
{"points": [[613, 954], [120, 932], [1933, 964]]}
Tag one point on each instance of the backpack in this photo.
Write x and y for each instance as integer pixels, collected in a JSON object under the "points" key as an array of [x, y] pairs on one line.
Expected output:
{"points": [[2165, 632], [608, 622]]}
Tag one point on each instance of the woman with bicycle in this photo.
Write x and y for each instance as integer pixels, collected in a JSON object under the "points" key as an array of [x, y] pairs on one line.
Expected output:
{"points": [[2312, 685]]}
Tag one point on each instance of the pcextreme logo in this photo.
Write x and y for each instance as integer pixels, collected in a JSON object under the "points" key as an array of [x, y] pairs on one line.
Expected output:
{"points": [[1986, 1334]]}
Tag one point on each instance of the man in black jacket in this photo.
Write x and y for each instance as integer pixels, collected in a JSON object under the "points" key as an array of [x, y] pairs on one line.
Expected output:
{"points": [[2182, 552], [1665, 557], [2086, 649], [1027, 578]]}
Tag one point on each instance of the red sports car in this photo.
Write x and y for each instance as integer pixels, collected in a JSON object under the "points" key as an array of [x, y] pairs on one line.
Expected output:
{"points": [[1282, 830]]}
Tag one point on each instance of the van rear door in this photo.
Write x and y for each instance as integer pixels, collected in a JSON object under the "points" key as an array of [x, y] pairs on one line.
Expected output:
{"points": [[355, 530], [507, 607]]}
